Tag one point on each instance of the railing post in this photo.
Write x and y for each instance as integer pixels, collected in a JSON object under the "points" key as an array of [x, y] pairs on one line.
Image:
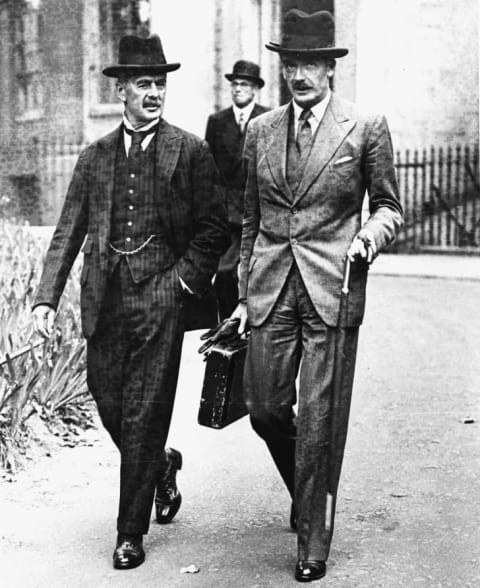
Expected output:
{"points": [[430, 193], [456, 189], [466, 183], [448, 195], [423, 197], [413, 213], [406, 182], [441, 213]]}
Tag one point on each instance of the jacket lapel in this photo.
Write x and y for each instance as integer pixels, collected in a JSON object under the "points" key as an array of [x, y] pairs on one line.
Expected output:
{"points": [[107, 150], [332, 131], [231, 135], [276, 150], [256, 111], [168, 144]]}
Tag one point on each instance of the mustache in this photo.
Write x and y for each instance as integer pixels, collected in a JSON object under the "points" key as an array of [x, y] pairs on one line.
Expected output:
{"points": [[152, 103], [301, 86]]}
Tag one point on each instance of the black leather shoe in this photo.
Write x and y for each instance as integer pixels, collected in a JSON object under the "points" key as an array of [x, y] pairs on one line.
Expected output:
{"points": [[308, 571], [293, 518], [167, 498], [128, 553]]}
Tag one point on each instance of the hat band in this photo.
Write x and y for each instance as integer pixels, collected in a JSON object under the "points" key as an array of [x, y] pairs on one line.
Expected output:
{"points": [[304, 42], [142, 59]]}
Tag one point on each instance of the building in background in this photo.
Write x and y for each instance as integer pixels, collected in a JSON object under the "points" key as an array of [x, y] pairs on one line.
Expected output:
{"points": [[415, 60]]}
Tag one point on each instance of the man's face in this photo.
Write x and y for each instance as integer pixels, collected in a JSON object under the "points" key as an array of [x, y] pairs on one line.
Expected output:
{"points": [[307, 79], [143, 96], [243, 91]]}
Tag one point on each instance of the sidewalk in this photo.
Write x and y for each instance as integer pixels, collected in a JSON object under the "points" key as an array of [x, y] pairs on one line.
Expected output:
{"points": [[407, 514], [458, 267]]}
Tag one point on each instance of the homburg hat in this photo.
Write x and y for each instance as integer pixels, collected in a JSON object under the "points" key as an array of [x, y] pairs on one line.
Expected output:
{"points": [[140, 54], [308, 35], [246, 70]]}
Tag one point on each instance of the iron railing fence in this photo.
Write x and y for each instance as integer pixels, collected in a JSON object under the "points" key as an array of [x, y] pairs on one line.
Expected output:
{"points": [[440, 193], [439, 190]]}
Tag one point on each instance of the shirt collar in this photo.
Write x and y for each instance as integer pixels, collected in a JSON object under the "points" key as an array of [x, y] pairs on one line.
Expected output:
{"points": [[318, 110], [246, 110], [128, 125]]}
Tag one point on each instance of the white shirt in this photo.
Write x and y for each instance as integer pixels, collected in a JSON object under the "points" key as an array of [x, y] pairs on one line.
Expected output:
{"points": [[317, 111], [127, 139], [246, 111]]}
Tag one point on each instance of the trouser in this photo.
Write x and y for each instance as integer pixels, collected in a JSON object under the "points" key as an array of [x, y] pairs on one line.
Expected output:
{"points": [[132, 370], [226, 290], [295, 340], [226, 280]]}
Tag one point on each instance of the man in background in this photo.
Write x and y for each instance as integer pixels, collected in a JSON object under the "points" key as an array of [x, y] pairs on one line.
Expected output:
{"points": [[226, 134]]}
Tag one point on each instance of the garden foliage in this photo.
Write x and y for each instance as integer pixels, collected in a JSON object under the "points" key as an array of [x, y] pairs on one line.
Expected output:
{"points": [[50, 375]]}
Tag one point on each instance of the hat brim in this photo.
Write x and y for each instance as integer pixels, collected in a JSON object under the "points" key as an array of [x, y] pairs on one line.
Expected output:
{"points": [[115, 71], [260, 83], [320, 52]]}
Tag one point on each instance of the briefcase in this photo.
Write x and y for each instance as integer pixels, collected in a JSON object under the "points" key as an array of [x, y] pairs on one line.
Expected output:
{"points": [[222, 401]]}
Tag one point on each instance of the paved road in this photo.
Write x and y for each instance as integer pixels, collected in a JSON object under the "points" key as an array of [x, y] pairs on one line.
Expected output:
{"points": [[408, 505]]}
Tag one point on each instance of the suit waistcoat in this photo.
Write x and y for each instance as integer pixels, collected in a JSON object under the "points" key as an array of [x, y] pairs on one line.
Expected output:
{"points": [[136, 215]]}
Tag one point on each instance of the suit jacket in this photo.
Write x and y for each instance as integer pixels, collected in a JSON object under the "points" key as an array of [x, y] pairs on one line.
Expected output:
{"points": [[351, 154], [192, 201], [226, 142]]}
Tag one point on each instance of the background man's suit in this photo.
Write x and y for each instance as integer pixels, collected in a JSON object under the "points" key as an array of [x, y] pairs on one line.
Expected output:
{"points": [[300, 218], [133, 307], [226, 142]]}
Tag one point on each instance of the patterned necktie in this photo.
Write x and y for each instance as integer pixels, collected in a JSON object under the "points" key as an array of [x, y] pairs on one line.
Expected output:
{"points": [[304, 133], [241, 122]]}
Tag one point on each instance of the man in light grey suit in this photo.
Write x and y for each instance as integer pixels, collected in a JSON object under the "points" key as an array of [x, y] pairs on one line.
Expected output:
{"points": [[309, 164]]}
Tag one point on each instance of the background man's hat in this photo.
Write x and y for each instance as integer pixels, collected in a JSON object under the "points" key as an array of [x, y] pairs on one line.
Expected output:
{"points": [[246, 70], [140, 54], [308, 34]]}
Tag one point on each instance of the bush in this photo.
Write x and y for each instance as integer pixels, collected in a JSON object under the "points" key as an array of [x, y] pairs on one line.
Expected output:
{"points": [[48, 376]]}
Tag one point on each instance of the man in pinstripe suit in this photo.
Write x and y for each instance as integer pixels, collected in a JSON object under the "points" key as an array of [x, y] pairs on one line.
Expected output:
{"points": [[146, 202]]}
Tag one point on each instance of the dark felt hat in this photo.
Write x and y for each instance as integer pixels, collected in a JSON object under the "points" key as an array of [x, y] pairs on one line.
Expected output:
{"points": [[308, 34], [140, 54], [246, 70]]}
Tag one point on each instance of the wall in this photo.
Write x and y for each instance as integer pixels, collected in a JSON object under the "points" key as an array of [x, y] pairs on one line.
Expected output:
{"points": [[417, 60], [207, 38]]}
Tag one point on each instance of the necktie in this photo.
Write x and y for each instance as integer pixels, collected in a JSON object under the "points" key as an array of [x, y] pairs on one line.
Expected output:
{"points": [[304, 133], [241, 122], [137, 138]]}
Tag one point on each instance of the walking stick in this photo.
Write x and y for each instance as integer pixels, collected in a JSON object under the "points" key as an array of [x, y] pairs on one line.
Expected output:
{"points": [[335, 441]]}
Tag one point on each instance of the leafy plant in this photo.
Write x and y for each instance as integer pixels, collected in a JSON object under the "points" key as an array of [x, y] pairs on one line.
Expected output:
{"points": [[47, 379]]}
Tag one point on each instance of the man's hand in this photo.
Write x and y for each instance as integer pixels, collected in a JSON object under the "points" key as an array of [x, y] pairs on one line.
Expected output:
{"points": [[43, 316], [225, 331], [241, 313], [362, 246]]}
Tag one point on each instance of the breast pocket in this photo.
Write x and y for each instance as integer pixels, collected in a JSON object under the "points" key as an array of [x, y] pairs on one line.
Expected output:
{"points": [[345, 164]]}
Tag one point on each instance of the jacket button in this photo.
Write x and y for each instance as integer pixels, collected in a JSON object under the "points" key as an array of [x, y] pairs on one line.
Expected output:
{"points": [[294, 210], [294, 241]]}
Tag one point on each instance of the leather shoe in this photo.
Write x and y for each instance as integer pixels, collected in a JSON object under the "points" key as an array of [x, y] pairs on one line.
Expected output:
{"points": [[293, 518], [308, 571], [129, 552], [167, 497]]}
